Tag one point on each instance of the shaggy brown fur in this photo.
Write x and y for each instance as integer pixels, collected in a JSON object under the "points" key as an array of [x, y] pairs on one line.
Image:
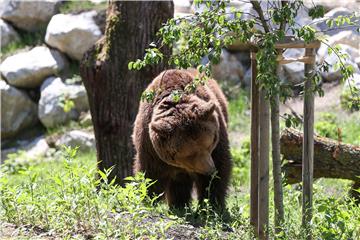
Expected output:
{"points": [[182, 144]]}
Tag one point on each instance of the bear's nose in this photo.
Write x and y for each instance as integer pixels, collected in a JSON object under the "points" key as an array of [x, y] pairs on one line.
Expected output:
{"points": [[206, 165]]}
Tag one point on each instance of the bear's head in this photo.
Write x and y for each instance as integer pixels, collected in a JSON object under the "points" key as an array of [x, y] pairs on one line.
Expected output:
{"points": [[185, 133]]}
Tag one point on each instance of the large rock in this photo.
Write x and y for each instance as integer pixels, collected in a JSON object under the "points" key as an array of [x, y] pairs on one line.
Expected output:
{"points": [[76, 138], [8, 34], [53, 95], [352, 52], [28, 15], [32, 150], [294, 72], [345, 37], [182, 6], [334, 13], [29, 69], [73, 34], [334, 74], [229, 72], [329, 5], [17, 111]]}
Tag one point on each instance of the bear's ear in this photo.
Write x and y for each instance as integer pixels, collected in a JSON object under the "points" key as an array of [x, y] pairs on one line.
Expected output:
{"points": [[161, 127], [206, 110]]}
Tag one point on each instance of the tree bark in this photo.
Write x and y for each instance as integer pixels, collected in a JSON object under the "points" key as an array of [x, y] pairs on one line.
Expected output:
{"points": [[113, 90], [332, 159]]}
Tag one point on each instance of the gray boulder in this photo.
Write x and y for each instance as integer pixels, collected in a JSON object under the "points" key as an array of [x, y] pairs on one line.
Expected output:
{"points": [[345, 37], [73, 34], [8, 34], [352, 52], [76, 138], [247, 77], [32, 150], [335, 74], [28, 15], [54, 94], [229, 71], [85, 119], [328, 5], [182, 7], [29, 69], [357, 61], [17, 111], [294, 72], [340, 11]]}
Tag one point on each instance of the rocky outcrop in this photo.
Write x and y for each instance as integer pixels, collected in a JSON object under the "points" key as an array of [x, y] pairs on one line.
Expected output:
{"points": [[83, 140], [32, 150], [340, 11], [345, 37], [353, 53], [328, 5], [334, 74], [54, 94], [28, 15], [29, 69], [229, 72], [73, 34], [8, 34], [294, 72], [17, 111]]}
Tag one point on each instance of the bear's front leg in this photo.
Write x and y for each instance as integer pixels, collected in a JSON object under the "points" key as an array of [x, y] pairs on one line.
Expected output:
{"points": [[178, 190], [213, 189]]}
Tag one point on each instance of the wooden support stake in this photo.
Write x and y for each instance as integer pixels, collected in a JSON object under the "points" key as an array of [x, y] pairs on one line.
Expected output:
{"points": [[263, 193], [254, 174], [275, 141], [308, 145]]}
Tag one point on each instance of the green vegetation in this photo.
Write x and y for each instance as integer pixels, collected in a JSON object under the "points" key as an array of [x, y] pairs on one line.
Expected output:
{"points": [[66, 198], [350, 100], [26, 40], [343, 127], [71, 125], [239, 112], [79, 6]]}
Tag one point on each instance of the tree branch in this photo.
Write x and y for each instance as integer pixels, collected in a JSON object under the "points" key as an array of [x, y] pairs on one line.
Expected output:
{"points": [[257, 7], [283, 23]]}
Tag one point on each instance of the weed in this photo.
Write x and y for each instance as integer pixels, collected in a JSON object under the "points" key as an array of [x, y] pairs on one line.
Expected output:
{"points": [[79, 6], [239, 113]]}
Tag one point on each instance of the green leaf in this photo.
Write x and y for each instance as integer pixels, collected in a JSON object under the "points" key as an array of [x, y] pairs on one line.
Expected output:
{"points": [[130, 65]]}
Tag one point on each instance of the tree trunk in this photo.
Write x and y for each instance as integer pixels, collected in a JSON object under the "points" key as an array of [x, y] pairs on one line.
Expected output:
{"points": [[113, 90], [332, 159]]}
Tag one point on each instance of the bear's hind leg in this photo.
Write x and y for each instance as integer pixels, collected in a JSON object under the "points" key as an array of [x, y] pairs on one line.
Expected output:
{"points": [[178, 191]]}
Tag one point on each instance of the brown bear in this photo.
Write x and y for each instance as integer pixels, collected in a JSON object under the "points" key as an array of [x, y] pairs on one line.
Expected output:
{"points": [[182, 144]]}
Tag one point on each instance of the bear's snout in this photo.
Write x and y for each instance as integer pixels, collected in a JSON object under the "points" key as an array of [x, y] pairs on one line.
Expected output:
{"points": [[205, 165]]}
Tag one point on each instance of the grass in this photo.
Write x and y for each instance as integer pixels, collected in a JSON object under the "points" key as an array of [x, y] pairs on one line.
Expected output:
{"points": [[27, 40], [79, 6], [239, 112], [341, 126], [65, 198]]}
